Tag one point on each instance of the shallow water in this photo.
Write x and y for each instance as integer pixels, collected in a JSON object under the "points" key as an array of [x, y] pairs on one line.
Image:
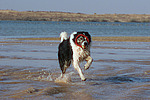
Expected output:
{"points": [[28, 70], [12, 29]]}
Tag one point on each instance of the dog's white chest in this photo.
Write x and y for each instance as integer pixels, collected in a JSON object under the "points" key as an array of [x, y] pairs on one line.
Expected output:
{"points": [[80, 53]]}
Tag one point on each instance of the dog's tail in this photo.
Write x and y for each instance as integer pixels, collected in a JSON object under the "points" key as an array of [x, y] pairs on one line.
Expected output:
{"points": [[63, 36]]}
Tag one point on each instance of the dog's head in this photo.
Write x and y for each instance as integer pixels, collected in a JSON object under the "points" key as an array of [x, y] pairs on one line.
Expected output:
{"points": [[81, 39]]}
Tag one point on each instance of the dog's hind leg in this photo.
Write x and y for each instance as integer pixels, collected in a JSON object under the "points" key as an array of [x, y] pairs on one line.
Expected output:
{"points": [[89, 62], [64, 55], [64, 65]]}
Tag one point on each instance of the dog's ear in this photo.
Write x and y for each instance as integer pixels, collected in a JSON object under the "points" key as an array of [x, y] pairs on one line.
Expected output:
{"points": [[86, 34]]}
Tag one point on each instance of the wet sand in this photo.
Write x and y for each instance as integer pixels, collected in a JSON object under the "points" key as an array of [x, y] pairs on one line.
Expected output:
{"points": [[29, 68], [126, 38]]}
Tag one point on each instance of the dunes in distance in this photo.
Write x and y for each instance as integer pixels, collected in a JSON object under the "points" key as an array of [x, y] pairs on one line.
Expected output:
{"points": [[73, 17]]}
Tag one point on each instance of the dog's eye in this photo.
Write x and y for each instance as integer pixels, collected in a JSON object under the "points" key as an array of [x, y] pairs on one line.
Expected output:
{"points": [[81, 38]]}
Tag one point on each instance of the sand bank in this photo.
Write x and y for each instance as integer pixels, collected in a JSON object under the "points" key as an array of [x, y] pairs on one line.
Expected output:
{"points": [[128, 39]]}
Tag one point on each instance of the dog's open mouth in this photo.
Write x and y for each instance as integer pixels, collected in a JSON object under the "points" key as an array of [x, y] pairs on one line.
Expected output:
{"points": [[84, 47]]}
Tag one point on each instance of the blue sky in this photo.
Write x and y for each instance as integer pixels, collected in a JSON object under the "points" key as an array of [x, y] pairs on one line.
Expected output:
{"points": [[81, 6]]}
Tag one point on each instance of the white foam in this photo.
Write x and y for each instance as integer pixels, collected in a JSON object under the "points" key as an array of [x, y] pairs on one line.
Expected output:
{"points": [[49, 77], [65, 79]]}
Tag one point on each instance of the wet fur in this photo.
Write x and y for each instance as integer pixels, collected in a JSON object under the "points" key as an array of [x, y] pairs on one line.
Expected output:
{"points": [[69, 52]]}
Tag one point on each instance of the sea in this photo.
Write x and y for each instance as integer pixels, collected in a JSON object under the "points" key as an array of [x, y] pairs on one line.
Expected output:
{"points": [[29, 68], [9, 29]]}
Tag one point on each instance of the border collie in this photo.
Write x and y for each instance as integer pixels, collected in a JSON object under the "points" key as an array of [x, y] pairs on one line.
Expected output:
{"points": [[74, 49]]}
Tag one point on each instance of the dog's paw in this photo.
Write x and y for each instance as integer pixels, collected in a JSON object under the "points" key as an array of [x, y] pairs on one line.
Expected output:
{"points": [[84, 79], [86, 66]]}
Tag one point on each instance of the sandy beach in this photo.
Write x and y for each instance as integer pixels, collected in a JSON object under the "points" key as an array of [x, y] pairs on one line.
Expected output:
{"points": [[29, 68]]}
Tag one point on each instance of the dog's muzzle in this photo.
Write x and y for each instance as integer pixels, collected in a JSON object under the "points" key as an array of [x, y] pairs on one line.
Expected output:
{"points": [[85, 45]]}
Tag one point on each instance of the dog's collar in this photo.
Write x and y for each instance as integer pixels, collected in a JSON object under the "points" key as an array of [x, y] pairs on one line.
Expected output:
{"points": [[78, 37]]}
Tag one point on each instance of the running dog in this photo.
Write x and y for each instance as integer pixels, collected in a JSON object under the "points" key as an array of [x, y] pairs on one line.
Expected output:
{"points": [[74, 49]]}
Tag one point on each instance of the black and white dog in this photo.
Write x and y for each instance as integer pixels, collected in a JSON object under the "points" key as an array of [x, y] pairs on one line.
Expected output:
{"points": [[74, 49]]}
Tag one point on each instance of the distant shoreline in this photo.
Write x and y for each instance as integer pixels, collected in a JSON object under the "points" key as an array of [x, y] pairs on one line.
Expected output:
{"points": [[72, 17]]}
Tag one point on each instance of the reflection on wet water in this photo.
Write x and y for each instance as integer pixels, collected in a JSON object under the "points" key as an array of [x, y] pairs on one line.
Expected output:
{"points": [[120, 70]]}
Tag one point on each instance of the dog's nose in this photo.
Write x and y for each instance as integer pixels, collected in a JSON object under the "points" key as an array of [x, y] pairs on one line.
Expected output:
{"points": [[85, 43]]}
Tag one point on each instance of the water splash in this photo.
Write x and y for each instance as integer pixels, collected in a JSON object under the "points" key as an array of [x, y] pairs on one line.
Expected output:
{"points": [[65, 79], [49, 77]]}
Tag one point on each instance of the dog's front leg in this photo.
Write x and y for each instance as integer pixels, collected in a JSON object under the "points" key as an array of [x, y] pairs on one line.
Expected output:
{"points": [[89, 62], [77, 67]]}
